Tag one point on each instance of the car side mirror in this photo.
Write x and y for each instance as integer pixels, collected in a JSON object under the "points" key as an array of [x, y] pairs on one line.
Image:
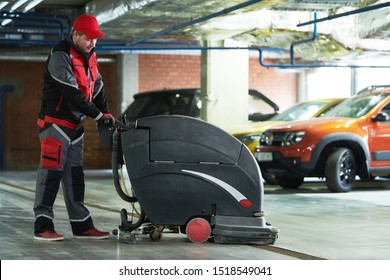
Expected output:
{"points": [[381, 117], [258, 117]]}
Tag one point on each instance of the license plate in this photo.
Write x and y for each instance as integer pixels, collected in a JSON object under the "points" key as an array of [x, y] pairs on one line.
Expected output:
{"points": [[263, 156]]}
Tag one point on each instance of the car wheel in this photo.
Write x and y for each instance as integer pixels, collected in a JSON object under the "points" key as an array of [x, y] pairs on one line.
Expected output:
{"points": [[288, 182], [268, 178], [340, 170]]}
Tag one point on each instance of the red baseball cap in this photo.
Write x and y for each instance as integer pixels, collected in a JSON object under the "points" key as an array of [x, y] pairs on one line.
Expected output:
{"points": [[89, 26]]}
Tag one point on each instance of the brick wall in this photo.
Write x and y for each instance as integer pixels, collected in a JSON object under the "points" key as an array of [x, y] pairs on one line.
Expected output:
{"points": [[21, 144], [158, 71], [281, 87]]}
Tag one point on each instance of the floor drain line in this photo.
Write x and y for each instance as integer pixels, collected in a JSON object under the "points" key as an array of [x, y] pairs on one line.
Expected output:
{"points": [[17, 186], [288, 252]]}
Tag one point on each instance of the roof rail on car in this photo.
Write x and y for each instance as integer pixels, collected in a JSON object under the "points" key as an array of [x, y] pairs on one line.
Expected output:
{"points": [[373, 87]]}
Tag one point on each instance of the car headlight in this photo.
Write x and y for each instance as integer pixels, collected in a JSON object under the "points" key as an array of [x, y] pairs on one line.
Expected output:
{"points": [[292, 138], [281, 138], [266, 139], [249, 138]]}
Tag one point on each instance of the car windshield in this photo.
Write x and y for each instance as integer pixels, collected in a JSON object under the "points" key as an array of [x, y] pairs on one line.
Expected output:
{"points": [[146, 105], [300, 111], [258, 105], [357, 106]]}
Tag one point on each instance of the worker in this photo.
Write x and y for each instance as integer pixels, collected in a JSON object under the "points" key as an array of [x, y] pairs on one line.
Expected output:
{"points": [[72, 90]]}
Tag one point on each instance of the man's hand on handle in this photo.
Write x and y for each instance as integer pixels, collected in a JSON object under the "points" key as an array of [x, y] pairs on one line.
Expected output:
{"points": [[107, 119]]}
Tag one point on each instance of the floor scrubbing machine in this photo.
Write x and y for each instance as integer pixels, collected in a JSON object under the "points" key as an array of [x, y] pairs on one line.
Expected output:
{"points": [[190, 175]]}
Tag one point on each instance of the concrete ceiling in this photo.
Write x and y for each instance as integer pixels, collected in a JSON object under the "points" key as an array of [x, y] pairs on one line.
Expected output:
{"points": [[350, 32]]}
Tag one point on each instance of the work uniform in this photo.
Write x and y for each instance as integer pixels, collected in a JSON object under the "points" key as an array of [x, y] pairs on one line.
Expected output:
{"points": [[73, 89]]}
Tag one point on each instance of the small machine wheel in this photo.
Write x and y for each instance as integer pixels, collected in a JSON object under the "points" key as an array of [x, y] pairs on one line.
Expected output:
{"points": [[155, 234], [198, 230]]}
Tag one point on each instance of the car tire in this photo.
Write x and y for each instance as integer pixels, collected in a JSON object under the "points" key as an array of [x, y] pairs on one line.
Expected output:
{"points": [[268, 178], [288, 182], [340, 170]]}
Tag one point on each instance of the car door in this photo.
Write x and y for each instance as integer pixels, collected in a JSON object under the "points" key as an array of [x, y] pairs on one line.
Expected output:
{"points": [[379, 138]]}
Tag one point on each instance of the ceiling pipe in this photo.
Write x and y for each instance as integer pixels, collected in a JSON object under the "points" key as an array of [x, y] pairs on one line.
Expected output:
{"points": [[303, 41], [292, 66], [43, 58], [28, 43], [18, 17], [147, 46], [60, 23], [30, 33], [357, 11], [67, 19]]}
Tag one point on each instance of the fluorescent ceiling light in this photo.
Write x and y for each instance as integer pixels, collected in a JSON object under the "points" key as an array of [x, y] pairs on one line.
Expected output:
{"points": [[31, 5], [3, 4], [5, 22], [17, 4]]}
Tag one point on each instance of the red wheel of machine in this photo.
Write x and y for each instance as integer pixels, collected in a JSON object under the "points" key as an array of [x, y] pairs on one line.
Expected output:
{"points": [[198, 230]]}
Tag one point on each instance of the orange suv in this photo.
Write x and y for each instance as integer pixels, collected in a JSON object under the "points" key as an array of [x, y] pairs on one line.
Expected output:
{"points": [[351, 140]]}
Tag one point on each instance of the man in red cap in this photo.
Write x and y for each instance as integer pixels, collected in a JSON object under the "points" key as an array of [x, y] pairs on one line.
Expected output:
{"points": [[73, 90]]}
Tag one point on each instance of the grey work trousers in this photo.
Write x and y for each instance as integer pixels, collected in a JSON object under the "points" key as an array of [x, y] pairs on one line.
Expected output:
{"points": [[61, 161]]}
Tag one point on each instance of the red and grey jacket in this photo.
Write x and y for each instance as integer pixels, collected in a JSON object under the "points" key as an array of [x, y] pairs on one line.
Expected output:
{"points": [[73, 87]]}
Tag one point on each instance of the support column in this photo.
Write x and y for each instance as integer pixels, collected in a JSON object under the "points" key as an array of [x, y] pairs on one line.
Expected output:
{"points": [[128, 79], [302, 86], [224, 85], [353, 81]]}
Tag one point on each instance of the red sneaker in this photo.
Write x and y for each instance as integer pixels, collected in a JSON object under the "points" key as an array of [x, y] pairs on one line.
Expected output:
{"points": [[49, 235], [92, 233]]}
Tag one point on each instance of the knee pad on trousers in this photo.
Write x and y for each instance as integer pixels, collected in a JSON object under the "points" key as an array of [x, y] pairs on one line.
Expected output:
{"points": [[78, 184], [52, 185]]}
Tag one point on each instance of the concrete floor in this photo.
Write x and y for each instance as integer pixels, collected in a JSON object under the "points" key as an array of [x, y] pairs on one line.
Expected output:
{"points": [[314, 225]]}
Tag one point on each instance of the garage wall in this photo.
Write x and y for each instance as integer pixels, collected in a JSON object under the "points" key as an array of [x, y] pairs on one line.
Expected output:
{"points": [[20, 110], [156, 71]]}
